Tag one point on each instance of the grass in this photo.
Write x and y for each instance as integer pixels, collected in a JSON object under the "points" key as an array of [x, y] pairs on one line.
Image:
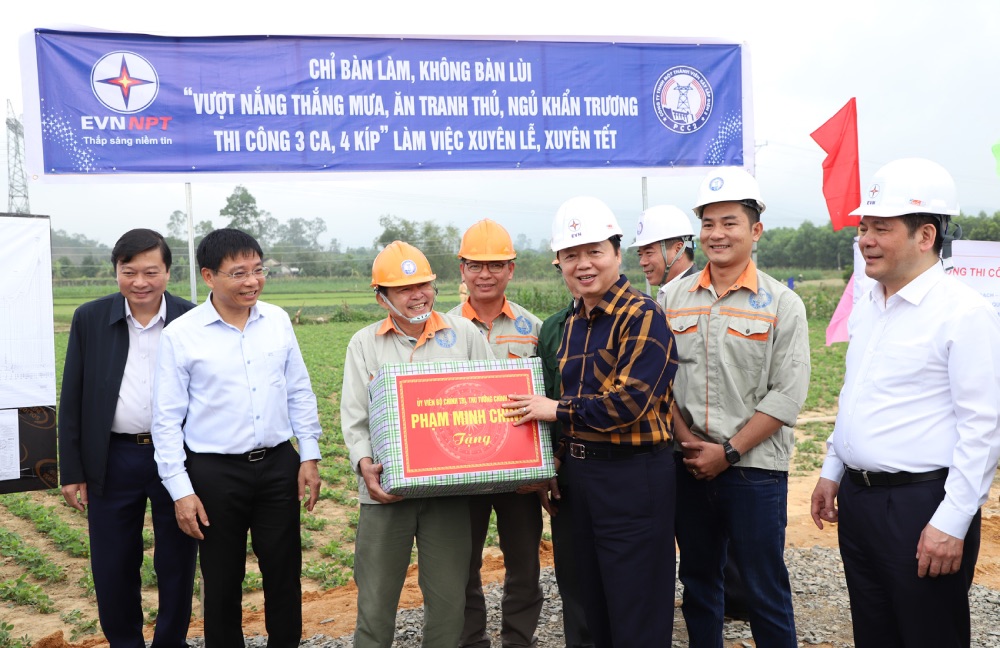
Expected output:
{"points": [[67, 538], [810, 449], [827, 375], [20, 592], [37, 562], [80, 625], [8, 640]]}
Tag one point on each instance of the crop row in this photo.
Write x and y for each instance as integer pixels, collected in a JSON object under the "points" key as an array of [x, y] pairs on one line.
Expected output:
{"points": [[67, 538]]}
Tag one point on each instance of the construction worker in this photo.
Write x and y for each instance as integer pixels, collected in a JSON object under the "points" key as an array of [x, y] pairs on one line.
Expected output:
{"points": [[918, 432], [665, 241], [617, 362], [743, 345], [388, 525], [486, 261]]}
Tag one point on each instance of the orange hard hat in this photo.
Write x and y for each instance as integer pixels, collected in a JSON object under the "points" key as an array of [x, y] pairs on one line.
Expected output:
{"points": [[401, 264], [487, 241]]}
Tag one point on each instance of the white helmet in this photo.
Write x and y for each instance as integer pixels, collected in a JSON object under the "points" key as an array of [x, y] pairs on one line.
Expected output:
{"points": [[910, 186], [729, 184], [581, 220], [660, 223]]}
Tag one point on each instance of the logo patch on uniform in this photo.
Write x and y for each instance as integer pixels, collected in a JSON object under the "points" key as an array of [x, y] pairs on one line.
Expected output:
{"points": [[761, 300], [446, 338], [408, 267], [522, 324]]}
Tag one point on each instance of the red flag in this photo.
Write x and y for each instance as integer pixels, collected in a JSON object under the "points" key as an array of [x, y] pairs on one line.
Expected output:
{"points": [[841, 174]]}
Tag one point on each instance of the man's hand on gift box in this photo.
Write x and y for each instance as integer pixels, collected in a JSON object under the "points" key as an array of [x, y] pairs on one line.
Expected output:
{"points": [[372, 474], [524, 408]]}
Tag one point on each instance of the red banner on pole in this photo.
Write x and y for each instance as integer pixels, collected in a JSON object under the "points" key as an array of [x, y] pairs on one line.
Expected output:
{"points": [[838, 137]]}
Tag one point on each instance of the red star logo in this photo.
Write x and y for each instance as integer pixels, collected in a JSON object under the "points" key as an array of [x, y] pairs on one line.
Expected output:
{"points": [[873, 191], [125, 81], [574, 224]]}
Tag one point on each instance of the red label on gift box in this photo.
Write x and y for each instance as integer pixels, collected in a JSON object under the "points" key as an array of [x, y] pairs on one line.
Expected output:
{"points": [[454, 423]]}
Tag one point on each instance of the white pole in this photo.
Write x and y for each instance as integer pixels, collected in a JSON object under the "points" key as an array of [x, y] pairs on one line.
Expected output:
{"points": [[191, 260], [645, 205]]}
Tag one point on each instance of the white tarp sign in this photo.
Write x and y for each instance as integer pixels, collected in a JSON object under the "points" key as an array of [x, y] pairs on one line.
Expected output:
{"points": [[27, 354]]}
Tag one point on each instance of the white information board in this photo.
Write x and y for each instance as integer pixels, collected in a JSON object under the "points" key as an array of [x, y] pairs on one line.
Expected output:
{"points": [[27, 352]]}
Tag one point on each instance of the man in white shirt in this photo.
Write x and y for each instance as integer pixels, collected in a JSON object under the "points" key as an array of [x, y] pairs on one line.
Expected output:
{"points": [[917, 431], [231, 390], [105, 448]]}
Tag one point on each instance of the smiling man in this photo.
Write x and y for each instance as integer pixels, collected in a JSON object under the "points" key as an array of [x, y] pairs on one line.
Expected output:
{"points": [[617, 362], [231, 390], [105, 449], [389, 525], [486, 261], [743, 348], [664, 242], [918, 431]]}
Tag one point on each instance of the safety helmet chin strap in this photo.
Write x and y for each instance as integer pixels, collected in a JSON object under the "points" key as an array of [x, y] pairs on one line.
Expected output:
{"points": [[412, 320], [950, 232], [670, 263]]}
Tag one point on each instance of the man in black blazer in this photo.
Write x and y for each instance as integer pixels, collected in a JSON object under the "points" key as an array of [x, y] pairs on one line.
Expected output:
{"points": [[105, 448]]}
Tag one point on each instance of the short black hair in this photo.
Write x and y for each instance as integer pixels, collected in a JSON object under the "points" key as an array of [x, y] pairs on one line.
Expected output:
{"points": [[914, 221], [750, 208], [226, 242], [137, 241], [616, 242]]}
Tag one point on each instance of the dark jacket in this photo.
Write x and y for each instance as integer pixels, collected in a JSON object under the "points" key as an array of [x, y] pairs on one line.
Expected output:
{"points": [[549, 340], [92, 378]]}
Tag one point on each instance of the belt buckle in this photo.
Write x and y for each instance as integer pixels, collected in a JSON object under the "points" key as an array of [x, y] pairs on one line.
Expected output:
{"points": [[864, 475], [256, 455], [144, 439], [577, 450]]}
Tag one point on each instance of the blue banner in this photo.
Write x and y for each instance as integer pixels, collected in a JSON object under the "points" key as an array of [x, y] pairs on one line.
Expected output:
{"points": [[124, 103]]}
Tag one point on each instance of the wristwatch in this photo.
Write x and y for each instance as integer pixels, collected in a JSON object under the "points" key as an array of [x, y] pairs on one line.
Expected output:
{"points": [[732, 454]]}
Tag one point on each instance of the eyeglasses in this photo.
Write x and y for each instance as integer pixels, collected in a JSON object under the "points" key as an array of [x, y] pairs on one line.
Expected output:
{"points": [[495, 267], [256, 273]]}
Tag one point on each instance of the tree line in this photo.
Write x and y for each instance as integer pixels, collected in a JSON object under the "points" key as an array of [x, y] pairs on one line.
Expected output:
{"points": [[295, 247]]}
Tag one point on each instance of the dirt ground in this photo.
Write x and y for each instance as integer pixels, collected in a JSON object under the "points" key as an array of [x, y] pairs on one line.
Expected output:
{"points": [[332, 612]]}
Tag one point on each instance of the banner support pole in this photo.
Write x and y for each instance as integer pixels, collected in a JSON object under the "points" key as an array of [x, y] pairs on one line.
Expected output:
{"points": [[191, 259]]}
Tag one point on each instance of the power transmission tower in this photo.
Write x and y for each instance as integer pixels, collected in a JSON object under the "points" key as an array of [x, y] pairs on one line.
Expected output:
{"points": [[17, 181]]}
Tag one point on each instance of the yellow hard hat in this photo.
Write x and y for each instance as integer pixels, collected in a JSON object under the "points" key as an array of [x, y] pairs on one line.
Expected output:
{"points": [[401, 264], [487, 241]]}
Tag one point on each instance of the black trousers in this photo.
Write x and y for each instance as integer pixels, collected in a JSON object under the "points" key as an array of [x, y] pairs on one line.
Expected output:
{"points": [[262, 497], [564, 556], [890, 606], [622, 513], [116, 520]]}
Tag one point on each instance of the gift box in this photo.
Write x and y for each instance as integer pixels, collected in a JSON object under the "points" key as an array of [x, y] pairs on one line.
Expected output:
{"points": [[438, 428]]}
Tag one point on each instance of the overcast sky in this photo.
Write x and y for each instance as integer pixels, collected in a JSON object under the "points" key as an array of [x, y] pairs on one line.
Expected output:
{"points": [[924, 74]]}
